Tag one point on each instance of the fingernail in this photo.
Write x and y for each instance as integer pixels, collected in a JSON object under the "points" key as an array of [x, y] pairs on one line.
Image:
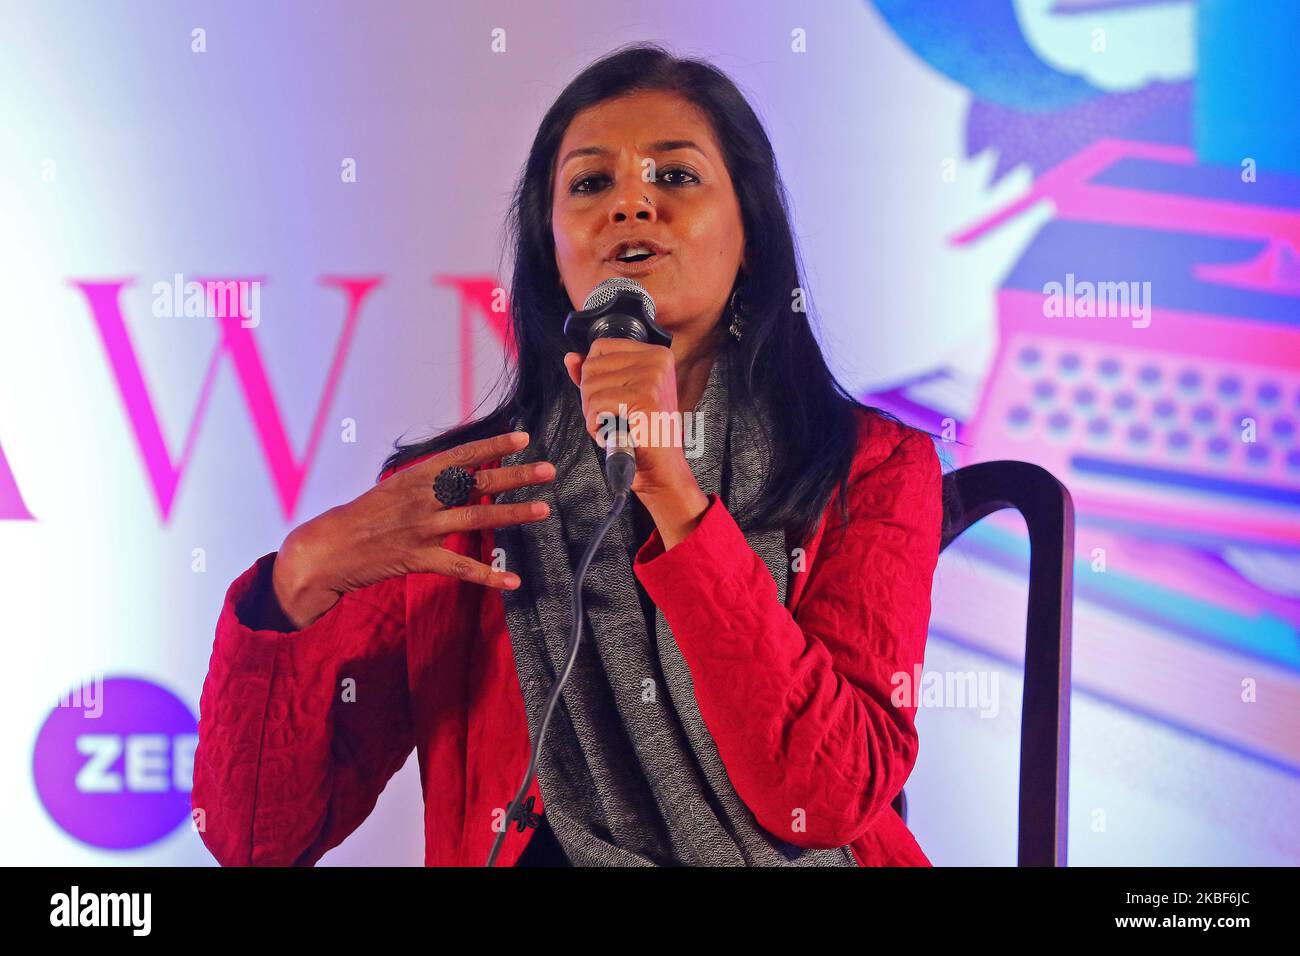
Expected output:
{"points": [[511, 581], [540, 508]]}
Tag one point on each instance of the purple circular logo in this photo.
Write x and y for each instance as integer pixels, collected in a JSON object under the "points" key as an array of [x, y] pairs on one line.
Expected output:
{"points": [[114, 762]]}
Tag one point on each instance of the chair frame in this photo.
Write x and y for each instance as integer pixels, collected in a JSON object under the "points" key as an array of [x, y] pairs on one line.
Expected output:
{"points": [[975, 492]]}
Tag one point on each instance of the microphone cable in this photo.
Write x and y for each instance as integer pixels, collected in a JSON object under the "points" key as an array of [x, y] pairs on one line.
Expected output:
{"points": [[620, 469]]}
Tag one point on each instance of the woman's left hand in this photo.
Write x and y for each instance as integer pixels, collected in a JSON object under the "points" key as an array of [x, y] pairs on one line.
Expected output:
{"points": [[641, 378]]}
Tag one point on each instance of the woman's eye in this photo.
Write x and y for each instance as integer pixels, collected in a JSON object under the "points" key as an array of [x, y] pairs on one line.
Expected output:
{"points": [[577, 187], [663, 175]]}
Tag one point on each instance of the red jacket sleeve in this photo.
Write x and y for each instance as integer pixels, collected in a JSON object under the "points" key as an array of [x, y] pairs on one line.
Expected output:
{"points": [[299, 731], [799, 706]]}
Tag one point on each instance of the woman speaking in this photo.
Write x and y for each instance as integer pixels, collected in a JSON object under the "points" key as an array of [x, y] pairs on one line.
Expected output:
{"points": [[744, 618]]}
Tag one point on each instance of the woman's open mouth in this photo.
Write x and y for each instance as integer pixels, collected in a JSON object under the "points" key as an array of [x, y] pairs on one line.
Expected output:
{"points": [[635, 255], [636, 261]]}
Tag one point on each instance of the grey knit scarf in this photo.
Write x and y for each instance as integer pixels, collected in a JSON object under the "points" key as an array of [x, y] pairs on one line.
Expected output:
{"points": [[629, 773]]}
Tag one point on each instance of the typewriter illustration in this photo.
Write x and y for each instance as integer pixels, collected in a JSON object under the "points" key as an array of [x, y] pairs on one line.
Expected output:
{"points": [[1178, 415]]}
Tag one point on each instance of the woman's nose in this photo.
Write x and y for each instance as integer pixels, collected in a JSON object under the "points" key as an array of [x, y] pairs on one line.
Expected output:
{"points": [[632, 202]]}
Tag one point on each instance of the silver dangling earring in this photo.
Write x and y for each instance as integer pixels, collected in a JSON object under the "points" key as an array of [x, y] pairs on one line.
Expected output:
{"points": [[737, 328]]}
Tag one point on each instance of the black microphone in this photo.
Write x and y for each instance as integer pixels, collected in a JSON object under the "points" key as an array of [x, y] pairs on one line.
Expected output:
{"points": [[618, 308]]}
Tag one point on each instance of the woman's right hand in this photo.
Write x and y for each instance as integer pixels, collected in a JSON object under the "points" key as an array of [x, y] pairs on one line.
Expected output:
{"points": [[398, 526]]}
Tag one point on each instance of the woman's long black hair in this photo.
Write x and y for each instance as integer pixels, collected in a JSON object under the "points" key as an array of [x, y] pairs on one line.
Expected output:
{"points": [[814, 425]]}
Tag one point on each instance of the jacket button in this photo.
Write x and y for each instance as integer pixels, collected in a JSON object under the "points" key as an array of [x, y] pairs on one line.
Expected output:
{"points": [[524, 816]]}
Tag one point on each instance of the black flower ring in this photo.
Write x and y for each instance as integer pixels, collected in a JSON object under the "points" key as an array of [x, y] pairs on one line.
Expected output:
{"points": [[452, 486]]}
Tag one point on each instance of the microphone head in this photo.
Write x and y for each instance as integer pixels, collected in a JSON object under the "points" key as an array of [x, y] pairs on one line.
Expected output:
{"points": [[605, 292], [618, 308]]}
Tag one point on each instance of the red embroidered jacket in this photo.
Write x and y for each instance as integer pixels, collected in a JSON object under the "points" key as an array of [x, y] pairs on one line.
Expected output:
{"points": [[797, 697]]}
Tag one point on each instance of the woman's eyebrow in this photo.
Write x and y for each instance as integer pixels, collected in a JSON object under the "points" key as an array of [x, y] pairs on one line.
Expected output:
{"points": [[668, 145], [661, 146]]}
